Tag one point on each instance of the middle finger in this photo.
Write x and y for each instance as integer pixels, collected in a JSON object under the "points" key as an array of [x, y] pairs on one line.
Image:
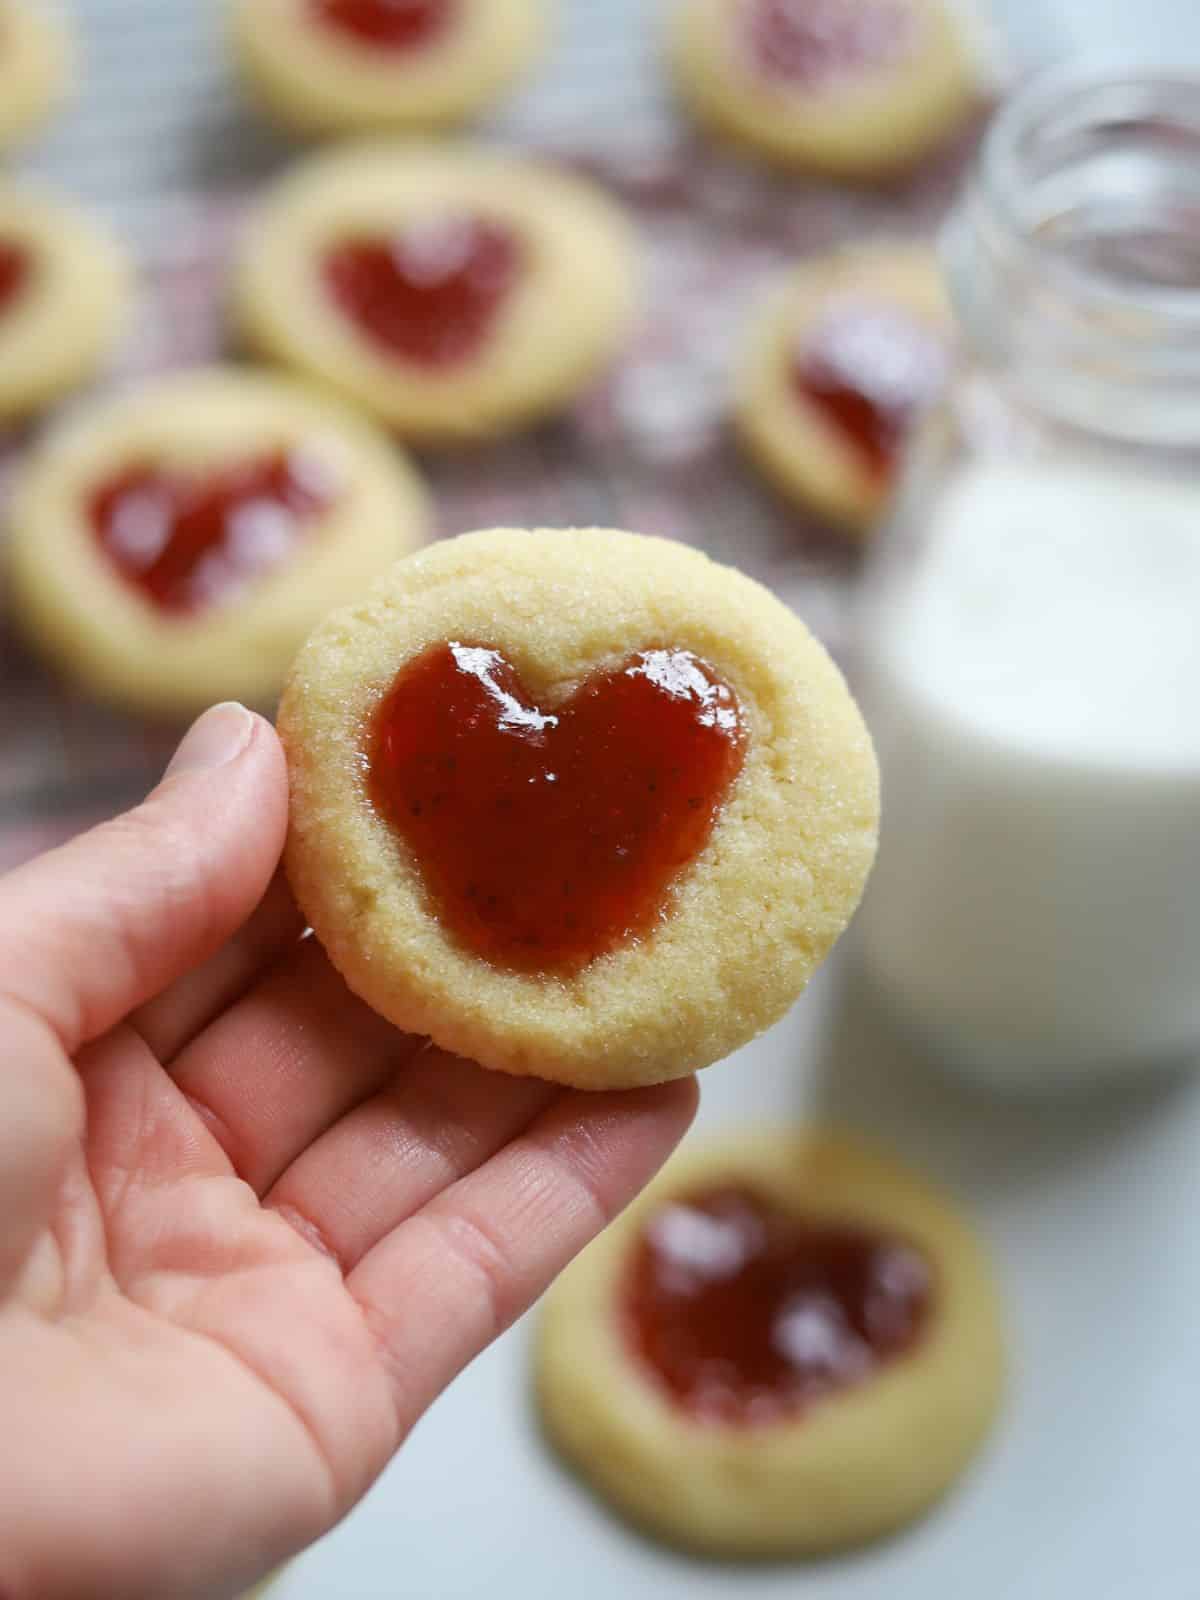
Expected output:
{"points": [[286, 1062], [389, 1155]]}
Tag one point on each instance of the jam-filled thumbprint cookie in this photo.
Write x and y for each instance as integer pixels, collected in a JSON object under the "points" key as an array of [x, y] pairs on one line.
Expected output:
{"points": [[843, 364], [174, 545], [854, 88], [36, 67], [454, 294], [64, 300], [578, 804], [347, 66], [787, 1346]]}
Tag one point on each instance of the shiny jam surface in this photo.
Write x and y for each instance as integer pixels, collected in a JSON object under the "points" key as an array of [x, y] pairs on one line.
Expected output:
{"points": [[807, 44], [872, 370], [747, 1315], [14, 271], [429, 293], [190, 540], [391, 25], [547, 839]]}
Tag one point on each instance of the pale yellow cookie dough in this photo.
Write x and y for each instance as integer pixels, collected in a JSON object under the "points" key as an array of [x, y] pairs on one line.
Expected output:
{"points": [[71, 311], [565, 318], [36, 67], [861, 125], [747, 922], [100, 629], [859, 1462], [314, 79], [799, 448]]}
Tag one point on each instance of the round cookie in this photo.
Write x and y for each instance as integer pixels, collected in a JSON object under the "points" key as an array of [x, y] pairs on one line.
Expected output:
{"points": [[454, 294], [859, 89], [845, 360], [35, 68], [581, 805], [173, 546], [353, 66], [788, 1345], [64, 300]]}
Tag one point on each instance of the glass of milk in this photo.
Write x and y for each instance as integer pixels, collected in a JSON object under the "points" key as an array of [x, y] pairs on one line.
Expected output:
{"points": [[1031, 626]]}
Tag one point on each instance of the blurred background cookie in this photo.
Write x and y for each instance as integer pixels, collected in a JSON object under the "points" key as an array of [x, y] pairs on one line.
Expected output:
{"points": [[346, 66], [64, 299], [172, 546], [453, 293], [843, 363], [578, 804], [854, 88], [790, 1344], [36, 67]]}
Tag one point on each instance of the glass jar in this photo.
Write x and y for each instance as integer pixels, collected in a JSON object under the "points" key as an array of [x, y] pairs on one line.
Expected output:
{"points": [[1030, 645]]}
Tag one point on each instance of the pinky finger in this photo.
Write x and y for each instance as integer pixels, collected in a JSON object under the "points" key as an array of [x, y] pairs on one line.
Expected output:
{"points": [[449, 1280]]}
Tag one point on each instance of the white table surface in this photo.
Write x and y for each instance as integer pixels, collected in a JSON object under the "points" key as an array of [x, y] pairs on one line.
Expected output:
{"points": [[1088, 1489]]}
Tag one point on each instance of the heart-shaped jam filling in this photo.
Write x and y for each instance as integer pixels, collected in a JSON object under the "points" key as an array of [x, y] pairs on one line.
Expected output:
{"points": [[809, 44], [872, 371], [546, 839], [747, 1314], [430, 292], [14, 272], [396, 26], [190, 540]]}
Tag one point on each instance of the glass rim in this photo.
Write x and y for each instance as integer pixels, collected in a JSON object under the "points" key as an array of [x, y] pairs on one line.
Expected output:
{"points": [[1159, 92]]}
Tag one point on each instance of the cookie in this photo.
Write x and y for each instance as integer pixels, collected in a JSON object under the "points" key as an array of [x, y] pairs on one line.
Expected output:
{"points": [[858, 89], [787, 1346], [174, 545], [578, 804], [35, 68], [454, 294], [353, 66], [845, 361], [64, 300]]}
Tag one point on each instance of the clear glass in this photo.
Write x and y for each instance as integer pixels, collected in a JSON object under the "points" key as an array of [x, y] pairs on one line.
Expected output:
{"points": [[1030, 648]]}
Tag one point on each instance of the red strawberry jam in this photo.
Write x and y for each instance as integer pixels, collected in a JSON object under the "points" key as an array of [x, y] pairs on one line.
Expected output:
{"points": [[430, 292], [188, 541], [14, 273], [546, 839], [872, 370], [747, 1315], [807, 44], [394, 26]]}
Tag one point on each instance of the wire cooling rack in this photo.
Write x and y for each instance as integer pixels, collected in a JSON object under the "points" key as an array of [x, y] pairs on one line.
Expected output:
{"points": [[162, 140]]}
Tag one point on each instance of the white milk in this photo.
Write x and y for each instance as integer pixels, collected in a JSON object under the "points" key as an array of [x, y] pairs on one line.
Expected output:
{"points": [[1035, 698]]}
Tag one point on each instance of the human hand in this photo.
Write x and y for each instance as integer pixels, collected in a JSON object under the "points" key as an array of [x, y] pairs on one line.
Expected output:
{"points": [[249, 1230]]}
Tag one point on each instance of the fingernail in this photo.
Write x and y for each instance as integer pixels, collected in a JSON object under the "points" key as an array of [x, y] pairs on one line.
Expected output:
{"points": [[214, 739]]}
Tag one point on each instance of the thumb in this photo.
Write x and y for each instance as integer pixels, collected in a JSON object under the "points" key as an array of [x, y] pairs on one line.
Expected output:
{"points": [[97, 927]]}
